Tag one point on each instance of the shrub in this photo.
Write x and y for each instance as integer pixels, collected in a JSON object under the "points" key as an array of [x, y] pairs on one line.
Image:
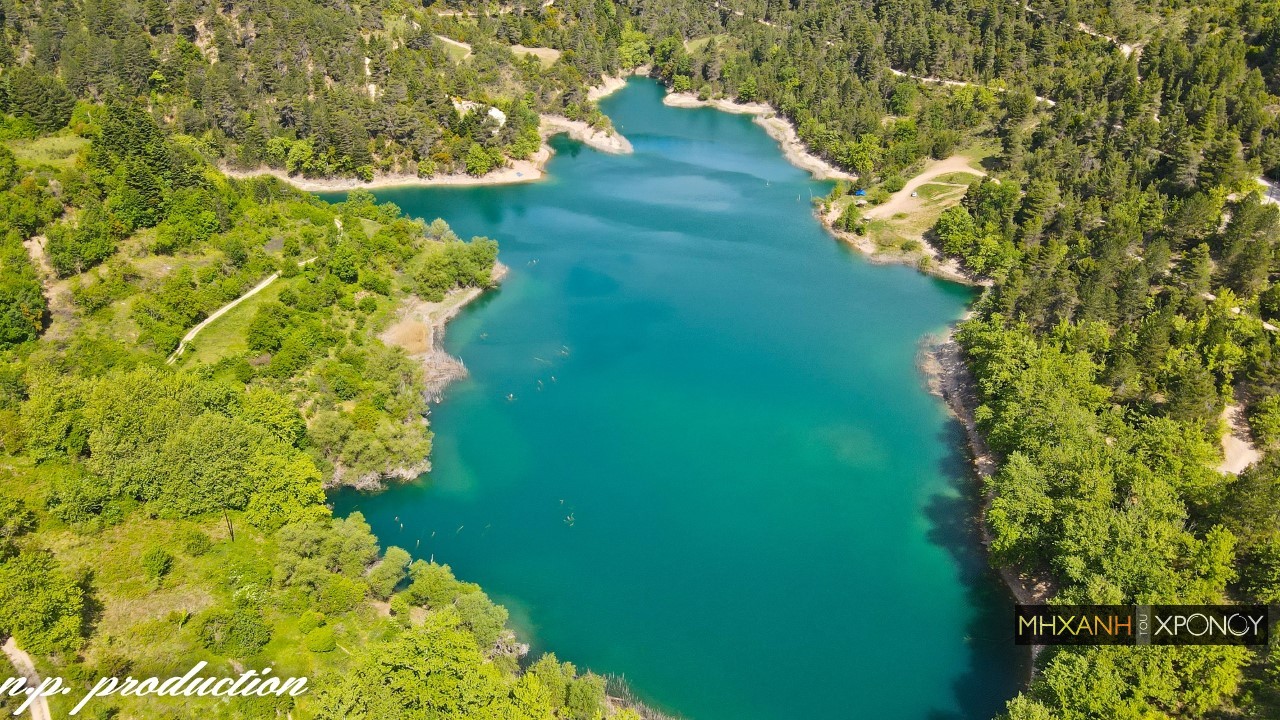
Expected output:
{"points": [[387, 574], [338, 594], [309, 621], [482, 617], [194, 542], [237, 633], [321, 640], [156, 563]]}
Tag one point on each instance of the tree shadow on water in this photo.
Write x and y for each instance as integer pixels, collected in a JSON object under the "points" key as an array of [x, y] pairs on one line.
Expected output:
{"points": [[997, 669]]}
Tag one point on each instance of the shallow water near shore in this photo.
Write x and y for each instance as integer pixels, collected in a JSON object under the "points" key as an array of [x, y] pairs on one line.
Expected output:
{"points": [[694, 449]]}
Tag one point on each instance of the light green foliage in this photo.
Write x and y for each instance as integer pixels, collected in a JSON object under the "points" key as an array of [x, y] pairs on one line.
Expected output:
{"points": [[236, 632], [586, 698], [633, 51], [979, 231], [16, 520], [850, 218], [388, 573], [156, 563], [431, 671], [194, 542], [434, 585], [309, 621], [1097, 682], [272, 411], [40, 605], [482, 617], [321, 640], [455, 264]]}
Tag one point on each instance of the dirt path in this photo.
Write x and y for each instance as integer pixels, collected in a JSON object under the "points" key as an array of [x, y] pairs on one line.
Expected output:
{"points": [[457, 44], [961, 83], [1238, 452], [23, 664], [903, 202], [1125, 48], [56, 292], [1270, 193], [191, 334]]}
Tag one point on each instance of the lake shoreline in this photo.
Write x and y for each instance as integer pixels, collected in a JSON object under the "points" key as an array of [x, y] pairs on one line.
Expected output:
{"points": [[798, 154], [420, 331], [530, 169], [928, 262], [779, 128], [942, 362]]}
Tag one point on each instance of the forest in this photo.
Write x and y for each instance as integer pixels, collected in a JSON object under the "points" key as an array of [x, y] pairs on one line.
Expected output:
{"points": [[1130, 250]]}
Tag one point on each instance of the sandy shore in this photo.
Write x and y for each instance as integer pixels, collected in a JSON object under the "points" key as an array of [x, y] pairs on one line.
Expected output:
{"points": [[779, 128], [608, 86], [516, 171], [419, 328], [609, 141]]}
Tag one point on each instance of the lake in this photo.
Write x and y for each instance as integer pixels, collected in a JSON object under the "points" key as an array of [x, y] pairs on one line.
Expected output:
{"points": [[695, 450]]}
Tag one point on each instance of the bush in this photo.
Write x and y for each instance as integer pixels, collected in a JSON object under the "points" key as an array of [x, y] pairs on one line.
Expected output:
{"points": [[75, 248], [338, 594], [387, 574], [1265, 421], [76, 496], [156, 563], [309, 621], [434, 585], [237, 633], [482, 617], [194, 542], [586, 697], [321, 640]]}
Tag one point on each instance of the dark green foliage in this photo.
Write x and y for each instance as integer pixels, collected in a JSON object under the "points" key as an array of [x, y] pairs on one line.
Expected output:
{"points": [[40, 97], [22, 302]]}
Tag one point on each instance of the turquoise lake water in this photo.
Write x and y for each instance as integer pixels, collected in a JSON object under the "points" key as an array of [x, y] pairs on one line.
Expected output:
{"points": [[721, 475]]}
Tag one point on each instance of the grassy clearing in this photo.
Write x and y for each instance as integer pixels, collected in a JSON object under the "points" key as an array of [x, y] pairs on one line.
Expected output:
{"points": [[980, 152], [698, 44], [547, 56], [369, 227], [956, 178], [226, 336], [934, 190], [155, 623], [59, 151], [457, 51]]}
